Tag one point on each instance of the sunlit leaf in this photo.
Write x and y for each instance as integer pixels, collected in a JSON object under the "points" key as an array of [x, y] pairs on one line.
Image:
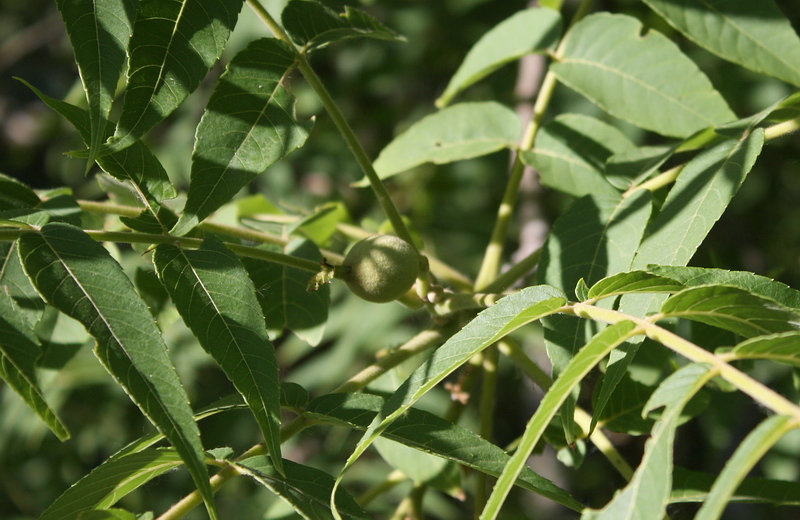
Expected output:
{"points": [[458, 132], [782, 348], [646, 80], [217, 301], [755, 35], [534, 30], [77, 275], [173, 46], [751, 282], [731, 309], [632, 282], [248, 125]]}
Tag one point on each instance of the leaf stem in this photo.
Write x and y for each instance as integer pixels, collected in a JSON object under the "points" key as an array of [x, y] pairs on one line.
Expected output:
{"points": [[419, 343], [755, 389]]}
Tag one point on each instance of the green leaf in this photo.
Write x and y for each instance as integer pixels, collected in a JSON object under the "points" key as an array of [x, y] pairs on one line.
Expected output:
{"points": [[16, 195], [746, 456], [633, 282], [645, 80], [462, 131], [107, 514], [782, 110], [174, 44], [731, 309], [99, 31], [631, 167], [597, 236], [755, 35], [136, 163], [248, 125], [111, 481], [530, 31], [306, 489], [77, 275], [217, 301], [509, 314], [753, 283], [19, 350], [583, 362], [284, 299], [693, 486], [647, 494], [571, 151], [321, 225], [313, 25], [782, 348], [16, 284], [429, 433], [701, 193]]}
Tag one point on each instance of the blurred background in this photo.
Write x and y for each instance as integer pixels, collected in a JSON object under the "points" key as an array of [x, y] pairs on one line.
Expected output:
{"points": [[382, 88]]}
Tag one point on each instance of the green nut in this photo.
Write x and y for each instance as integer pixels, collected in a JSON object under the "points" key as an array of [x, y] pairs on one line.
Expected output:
{"points": [[382, 268]]}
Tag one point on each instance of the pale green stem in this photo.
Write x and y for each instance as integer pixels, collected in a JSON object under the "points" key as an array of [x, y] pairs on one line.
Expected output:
{"points": [[746, 384], [781, 129], [486, 413], [419, 343], [492, 259], [189, 242], [392, 479]]}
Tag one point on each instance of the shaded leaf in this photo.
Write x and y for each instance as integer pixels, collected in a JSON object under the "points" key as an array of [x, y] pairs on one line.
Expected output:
{"points": [[529, 31], [107, 514], [491, 325], [217, 301], [99, 31], [19, 350], [15, 283], [432, 434], [248, 125], [77, 275], [647, 494], [693, 486], [136, 163], [631, 167], [571, 152], [583, 362], [646, 80], [285, 302], [746, 456], [731, 309], [755, 35], [633, 282], [173, 46], [306, 489], [313, 25], [782, 348], [16, 195], [458, 132], [750, 282]]}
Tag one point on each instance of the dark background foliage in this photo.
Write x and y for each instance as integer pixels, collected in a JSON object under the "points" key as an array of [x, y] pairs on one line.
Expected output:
{"points": [[382, 88]]}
